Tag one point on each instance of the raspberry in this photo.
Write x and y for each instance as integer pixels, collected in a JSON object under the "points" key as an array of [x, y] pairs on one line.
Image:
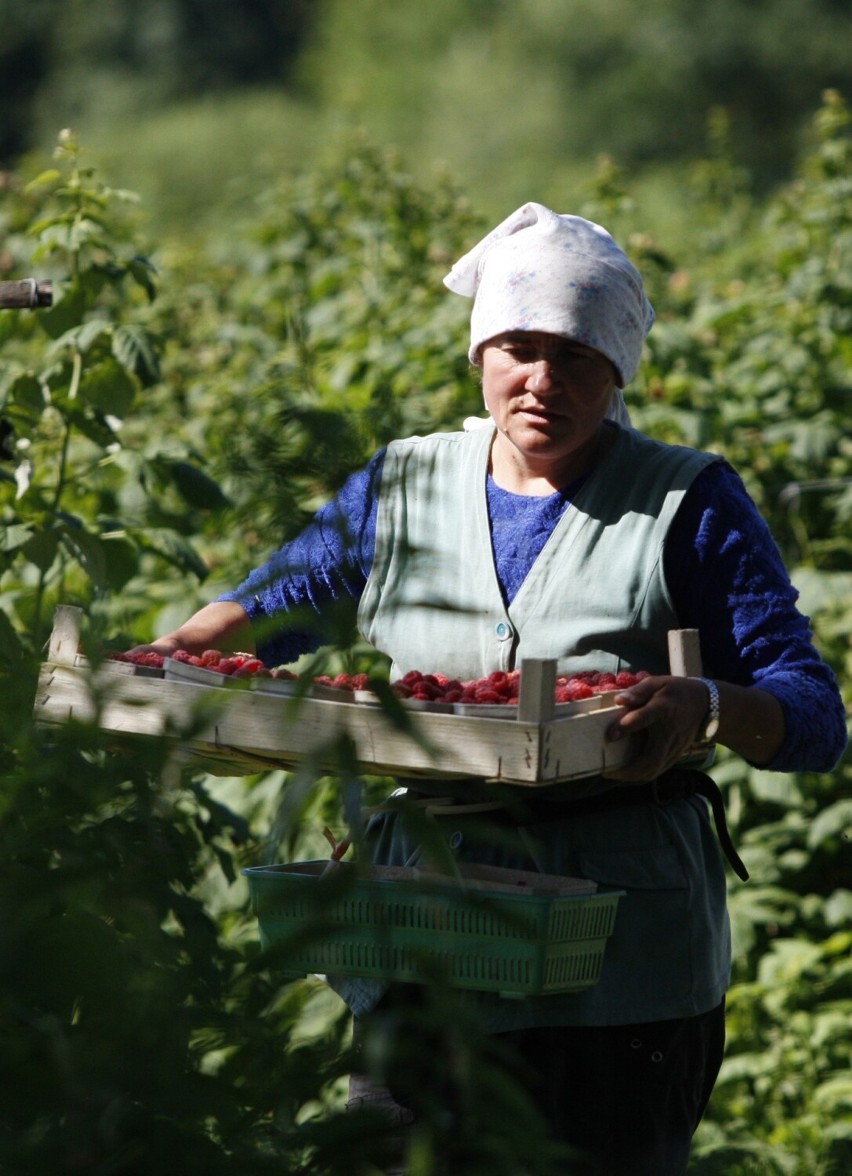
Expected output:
{"points": [[483, 694], [153, 660], [249, 667], [210, 657], [181, 655], [574, 690]]}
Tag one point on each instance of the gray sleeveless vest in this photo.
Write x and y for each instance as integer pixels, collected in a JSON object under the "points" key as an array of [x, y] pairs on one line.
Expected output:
{"points": [[595, 598]]}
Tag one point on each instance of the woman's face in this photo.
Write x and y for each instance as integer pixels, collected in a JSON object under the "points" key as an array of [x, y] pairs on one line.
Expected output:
{"points": [[548, 396]]}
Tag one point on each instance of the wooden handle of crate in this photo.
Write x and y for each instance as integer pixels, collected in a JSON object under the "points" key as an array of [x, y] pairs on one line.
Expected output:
{"points": [[684, 653], [27, 294], [65, 638], [538, 688], [538, 676]]}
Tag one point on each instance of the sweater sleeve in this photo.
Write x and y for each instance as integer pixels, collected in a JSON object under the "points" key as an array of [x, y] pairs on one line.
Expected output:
{"points": [[296, 596], [727, 579]]}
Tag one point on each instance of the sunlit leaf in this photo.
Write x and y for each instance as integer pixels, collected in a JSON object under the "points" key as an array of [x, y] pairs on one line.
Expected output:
{"points": [[834, 822]]}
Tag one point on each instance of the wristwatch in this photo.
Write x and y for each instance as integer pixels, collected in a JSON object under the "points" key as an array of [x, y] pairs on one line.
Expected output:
{"points": [[711, 722]]}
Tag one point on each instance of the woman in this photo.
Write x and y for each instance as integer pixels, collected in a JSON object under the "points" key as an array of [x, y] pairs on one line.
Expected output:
{"points": [[554, 531]]}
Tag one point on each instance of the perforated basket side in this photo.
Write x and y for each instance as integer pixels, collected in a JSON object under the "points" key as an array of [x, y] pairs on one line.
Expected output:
{"points": [[529, 971], [589, 918], [516, 945]]}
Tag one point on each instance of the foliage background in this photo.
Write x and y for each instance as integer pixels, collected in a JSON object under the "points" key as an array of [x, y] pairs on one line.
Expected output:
{"points": [[222, 354]]}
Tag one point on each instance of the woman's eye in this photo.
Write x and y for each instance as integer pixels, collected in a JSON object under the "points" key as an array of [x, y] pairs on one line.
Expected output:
{"points": [[523, 354]]}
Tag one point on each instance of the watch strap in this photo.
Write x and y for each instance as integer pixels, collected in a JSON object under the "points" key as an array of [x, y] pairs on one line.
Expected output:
{"points": [[710, 724]]}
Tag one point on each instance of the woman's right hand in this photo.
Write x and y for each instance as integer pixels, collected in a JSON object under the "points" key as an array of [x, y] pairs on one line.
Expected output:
{"points": [[222, 625]]}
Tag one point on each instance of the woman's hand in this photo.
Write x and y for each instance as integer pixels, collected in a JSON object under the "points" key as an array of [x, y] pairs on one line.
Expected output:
{"points": [[221, 625], [667, 715]]}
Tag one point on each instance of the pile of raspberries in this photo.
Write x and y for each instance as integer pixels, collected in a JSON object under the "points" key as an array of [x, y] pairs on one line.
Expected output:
{"points": [[501, 687]]}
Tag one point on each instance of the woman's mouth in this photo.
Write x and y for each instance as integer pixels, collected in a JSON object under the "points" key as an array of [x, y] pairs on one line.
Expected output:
{"points": [[537, 414]]}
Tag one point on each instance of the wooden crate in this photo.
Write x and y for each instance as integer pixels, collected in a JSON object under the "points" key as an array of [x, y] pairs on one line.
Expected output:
{"points": [[231, 730]]}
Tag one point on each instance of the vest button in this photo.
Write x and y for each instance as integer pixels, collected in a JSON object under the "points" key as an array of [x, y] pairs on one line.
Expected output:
{"points": [[503, 630]]}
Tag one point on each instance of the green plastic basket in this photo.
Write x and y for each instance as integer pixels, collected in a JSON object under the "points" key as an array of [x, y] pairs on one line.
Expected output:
{"points": [[343, 922]]}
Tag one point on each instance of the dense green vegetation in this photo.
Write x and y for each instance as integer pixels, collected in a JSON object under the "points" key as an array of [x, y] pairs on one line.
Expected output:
{"points": [[185, 405]]}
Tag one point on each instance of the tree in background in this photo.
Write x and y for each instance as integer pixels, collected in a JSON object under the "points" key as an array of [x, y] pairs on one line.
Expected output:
{"points": [[517, 98], [114, 59]]}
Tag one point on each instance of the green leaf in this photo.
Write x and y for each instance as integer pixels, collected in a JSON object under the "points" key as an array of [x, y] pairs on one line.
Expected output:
{"points": [[90, 423], [775, 788], [27, 392], [834, 1097], [86, 231], [65, 313], [121, 561], [194, 486], [832, 823], [41, 548], [88, 550], [109, 387], [838, 909], [14, 536], [134, 349], [86, 335], [50, 176], [786, 962], [142, 271], [173, 548]]}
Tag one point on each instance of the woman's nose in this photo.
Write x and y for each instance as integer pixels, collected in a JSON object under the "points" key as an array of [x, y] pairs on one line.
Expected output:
{"points": [[542, 377]]}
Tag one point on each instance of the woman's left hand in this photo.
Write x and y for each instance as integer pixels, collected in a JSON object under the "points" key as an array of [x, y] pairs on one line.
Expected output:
{"points": [[666, 714]]}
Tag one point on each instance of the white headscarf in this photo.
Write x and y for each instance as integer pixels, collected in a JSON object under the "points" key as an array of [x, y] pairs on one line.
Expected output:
{"points": [[542, 271]]}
